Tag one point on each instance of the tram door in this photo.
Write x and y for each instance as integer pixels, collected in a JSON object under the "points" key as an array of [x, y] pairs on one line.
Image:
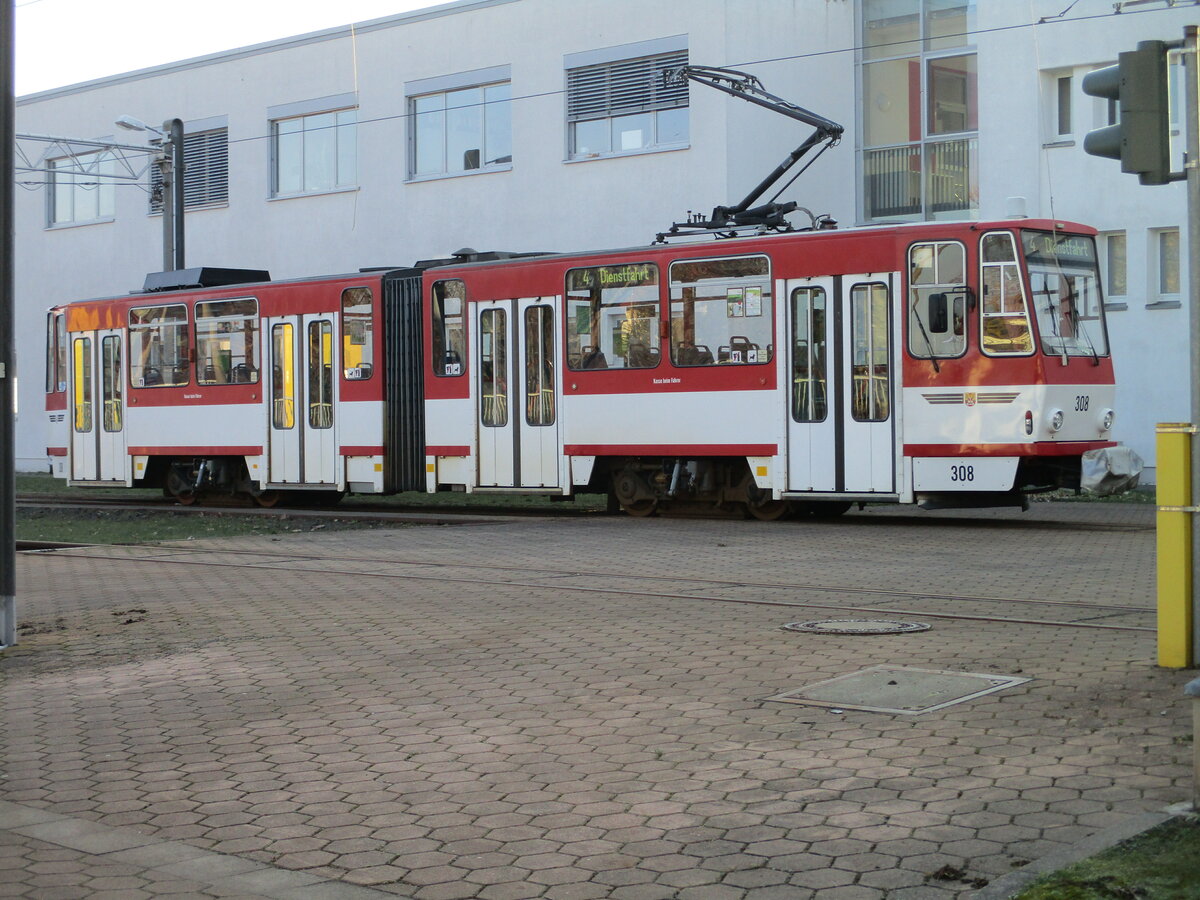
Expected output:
{"points": [[303, 360], [840, 416], [517, 394], [98, 440]]}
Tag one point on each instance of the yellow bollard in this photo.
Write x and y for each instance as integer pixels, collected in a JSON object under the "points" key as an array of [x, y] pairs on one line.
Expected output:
{"points": [[1174, 545]]}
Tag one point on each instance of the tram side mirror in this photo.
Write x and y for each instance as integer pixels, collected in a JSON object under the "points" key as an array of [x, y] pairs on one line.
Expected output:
{"points": [[939, 313]]}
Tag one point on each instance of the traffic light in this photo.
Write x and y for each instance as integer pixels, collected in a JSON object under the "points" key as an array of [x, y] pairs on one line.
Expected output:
{"points": [[1141, 139]]}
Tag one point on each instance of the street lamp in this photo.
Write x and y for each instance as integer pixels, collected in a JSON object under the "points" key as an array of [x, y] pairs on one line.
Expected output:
{"points": [[170, 163]]}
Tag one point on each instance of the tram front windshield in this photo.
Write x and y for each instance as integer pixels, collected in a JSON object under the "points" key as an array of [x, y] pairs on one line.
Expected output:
{"points": [[1065, 281]]}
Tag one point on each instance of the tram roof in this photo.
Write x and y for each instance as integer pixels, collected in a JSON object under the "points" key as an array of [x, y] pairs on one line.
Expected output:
{"points": [[462, 259]]}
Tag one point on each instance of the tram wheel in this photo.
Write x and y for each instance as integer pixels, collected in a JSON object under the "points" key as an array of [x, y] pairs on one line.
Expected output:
{"points": [[266, 499], [769, 510], [631, 492], [178, 489], [761, 505], [640, 508]]}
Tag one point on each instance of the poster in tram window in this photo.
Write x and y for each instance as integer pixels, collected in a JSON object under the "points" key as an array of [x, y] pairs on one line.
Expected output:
{"points": [[753, 301], [735, 299]]}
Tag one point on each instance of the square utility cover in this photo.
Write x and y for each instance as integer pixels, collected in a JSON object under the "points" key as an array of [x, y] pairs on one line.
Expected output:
{"points": [[893, 689]]}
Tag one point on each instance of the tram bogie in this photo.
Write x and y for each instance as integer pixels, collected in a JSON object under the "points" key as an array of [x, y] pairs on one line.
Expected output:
{"points": [[940, 364]]}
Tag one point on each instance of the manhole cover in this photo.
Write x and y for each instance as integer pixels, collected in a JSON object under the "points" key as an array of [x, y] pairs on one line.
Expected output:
{"points": [[894, 689], [857, 626]]}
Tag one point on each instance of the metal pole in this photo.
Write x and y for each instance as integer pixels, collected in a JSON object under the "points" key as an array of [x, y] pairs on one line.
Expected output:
{"points": [[8, 363], [174, 128], [1191, 70], [168, 210]]}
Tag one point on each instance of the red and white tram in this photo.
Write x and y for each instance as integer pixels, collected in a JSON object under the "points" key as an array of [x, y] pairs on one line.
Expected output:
{"points": [[945, 364]]}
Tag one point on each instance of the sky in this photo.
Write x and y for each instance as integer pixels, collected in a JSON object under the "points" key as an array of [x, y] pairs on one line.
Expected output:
{"points": [[60, 42]]}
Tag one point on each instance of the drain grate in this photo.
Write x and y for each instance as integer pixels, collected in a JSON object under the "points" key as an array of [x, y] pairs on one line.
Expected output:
{"points": [[898, 690], [857, 626]]}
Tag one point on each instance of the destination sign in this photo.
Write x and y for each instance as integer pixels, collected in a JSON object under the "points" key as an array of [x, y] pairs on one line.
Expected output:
{"points": [[1063, 249], [632, 275]]}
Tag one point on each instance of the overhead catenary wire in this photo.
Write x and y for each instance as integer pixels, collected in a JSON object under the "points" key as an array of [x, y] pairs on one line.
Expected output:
{"points": [[815, 54]]}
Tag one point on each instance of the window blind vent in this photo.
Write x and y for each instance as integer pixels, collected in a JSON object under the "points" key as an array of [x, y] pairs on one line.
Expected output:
{"points": [[205, 172], [627, 86]]}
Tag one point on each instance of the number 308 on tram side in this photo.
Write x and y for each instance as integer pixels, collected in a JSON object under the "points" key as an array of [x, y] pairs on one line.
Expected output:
{"points": [[944, 364]]}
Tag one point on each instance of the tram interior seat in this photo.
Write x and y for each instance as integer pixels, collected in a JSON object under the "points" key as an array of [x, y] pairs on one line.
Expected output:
{"points": [[179, 375], [642, 357], [243, 373], [739, 344], [151, 376], [593, 358]]}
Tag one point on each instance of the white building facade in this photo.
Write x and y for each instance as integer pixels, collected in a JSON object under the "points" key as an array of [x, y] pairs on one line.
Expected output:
{"points": [[545, 125]]}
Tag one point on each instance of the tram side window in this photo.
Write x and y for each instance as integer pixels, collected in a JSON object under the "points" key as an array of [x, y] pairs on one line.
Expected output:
{"points": [[56, 353], [721, 312], [871, 355], [937, 299], [612, 317], [112, 379], [1004, 323], [227, 342], [320, 374], [83, 385], [158, 346], [493, 368], [449, 355], [539, 365], [283, 377], [809, 344], [358, 334]]}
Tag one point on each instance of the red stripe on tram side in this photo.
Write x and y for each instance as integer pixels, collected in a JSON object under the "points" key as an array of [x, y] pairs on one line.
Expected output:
{"points": [[1042, 448], [56, 451], [365, 450], [671, 449], [447, 451], [195, 451]]}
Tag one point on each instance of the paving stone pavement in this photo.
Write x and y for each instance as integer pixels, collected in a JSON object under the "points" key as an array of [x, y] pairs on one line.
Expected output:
{"points": [[573, 708]]}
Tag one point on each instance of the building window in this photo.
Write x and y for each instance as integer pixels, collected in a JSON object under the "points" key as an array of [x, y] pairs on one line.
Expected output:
{"points": [[463, 130], [1062, 106], [81, 188], [1115, 263], [314, 153], [625, 105], [919, 110], [205, 172], [1168, 261]]}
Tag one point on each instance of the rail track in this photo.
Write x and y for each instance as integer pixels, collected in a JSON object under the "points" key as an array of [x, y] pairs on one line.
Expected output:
{"points": [[813, 596], [373, 511]]}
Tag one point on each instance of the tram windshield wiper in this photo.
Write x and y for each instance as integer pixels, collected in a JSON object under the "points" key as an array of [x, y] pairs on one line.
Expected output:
{"points": [[925, 334]]}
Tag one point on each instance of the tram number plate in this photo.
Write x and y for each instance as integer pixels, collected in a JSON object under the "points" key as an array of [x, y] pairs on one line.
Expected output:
{"points": [[970, 473]]}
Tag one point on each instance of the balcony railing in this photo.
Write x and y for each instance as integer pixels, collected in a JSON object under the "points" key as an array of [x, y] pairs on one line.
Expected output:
{"points": [[896, 186]]}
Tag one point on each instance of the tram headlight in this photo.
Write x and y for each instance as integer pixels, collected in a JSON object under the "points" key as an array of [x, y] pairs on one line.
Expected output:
{"points": [[1107, 419], [1057, 418]]}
